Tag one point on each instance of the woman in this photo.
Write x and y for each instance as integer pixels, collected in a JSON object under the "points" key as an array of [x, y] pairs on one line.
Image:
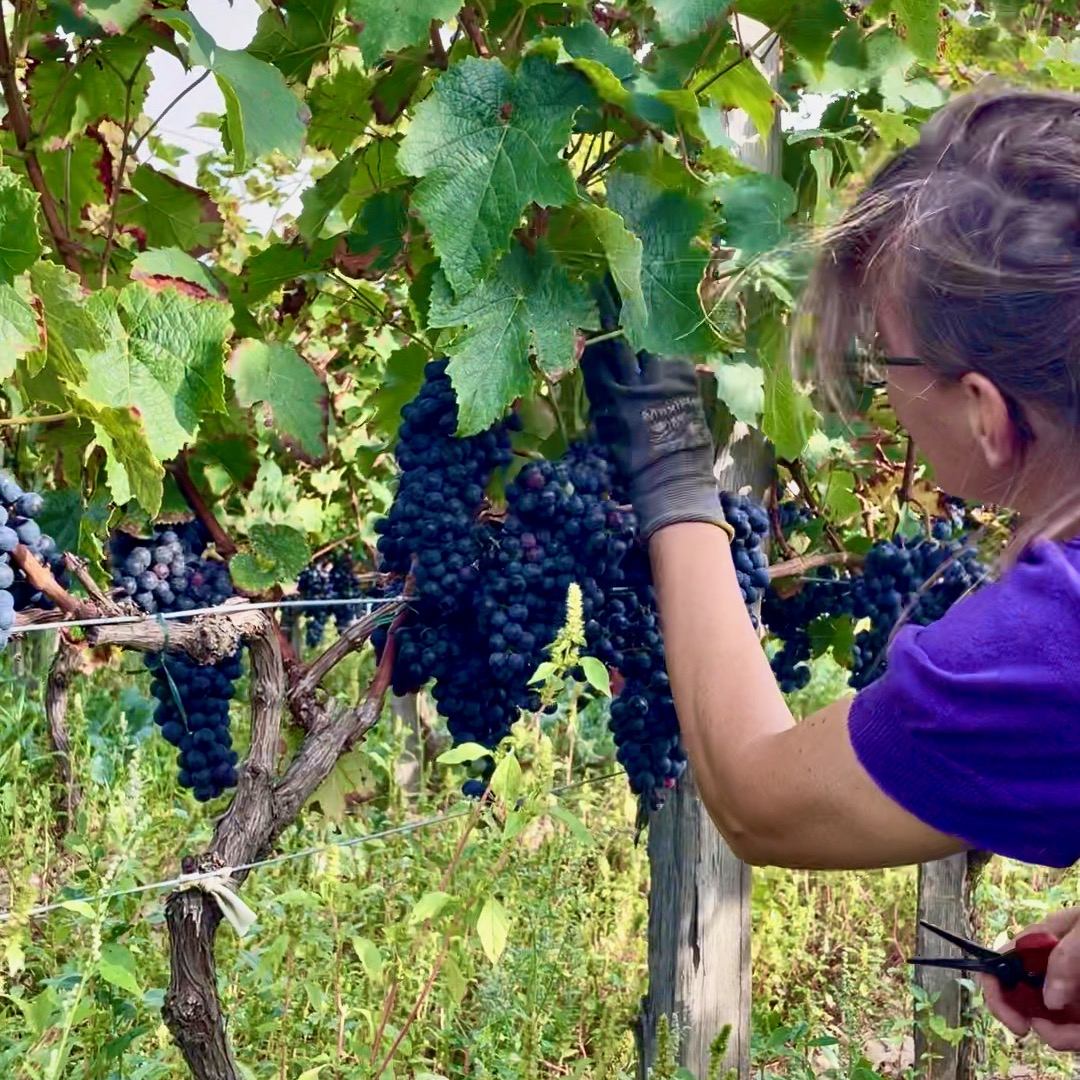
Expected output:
{"points": [[960, 268]]}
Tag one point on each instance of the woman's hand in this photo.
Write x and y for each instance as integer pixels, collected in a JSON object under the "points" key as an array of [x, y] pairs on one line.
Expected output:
{"points": [[1062, 985]]}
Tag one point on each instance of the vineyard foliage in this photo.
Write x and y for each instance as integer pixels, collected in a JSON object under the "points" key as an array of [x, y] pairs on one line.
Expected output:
{"points": [[473, 170]]}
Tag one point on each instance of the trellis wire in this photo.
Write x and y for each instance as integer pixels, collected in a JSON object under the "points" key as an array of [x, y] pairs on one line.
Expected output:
{"points": [[218, 610], [274, 860]]}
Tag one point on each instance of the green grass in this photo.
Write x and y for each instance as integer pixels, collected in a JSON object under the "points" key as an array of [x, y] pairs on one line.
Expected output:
{"points": [[306, 992]]}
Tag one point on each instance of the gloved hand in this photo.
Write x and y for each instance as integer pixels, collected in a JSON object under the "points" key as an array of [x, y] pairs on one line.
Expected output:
{"points": [[652, 419]]}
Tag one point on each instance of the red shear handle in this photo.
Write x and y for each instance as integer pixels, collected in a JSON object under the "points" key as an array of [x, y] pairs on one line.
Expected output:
{"points": [[1035, 949]]}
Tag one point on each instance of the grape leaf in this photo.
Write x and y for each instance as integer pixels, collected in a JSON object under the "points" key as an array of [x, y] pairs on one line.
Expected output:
{"points": [[493, 928], [164, 358], [920, 21], [340, 106], [353, 180], [70, 330], [741, 386], [295, 36], [115, 16], [404, 375], [486, 144], [71, 174], [170, 212], [528, 304], [20, 331], [756, 210], [262, 115], [806, 26], [67, 98], [624, 256], [610, 67], [740, 85], [788, 417], [279, 553], [274, 266], [292, 395], [681, 20], [667, 223], [20, 244], [174, 264], [131, 470], [388, 25]]}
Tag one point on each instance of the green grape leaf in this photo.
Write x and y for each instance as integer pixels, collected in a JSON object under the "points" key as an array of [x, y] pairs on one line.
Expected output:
{"points": [[528, 305], [340, 106], [486, 144], [115, 16], [920, 24], [353, 180], [682, 20], [68, 518], [388, 25], [20, 331], [163, 358], [278, 554], [278, 264], [20, 244], [295, 36], [262, 115], [892, 128], [807, 26], [71, 173], [293, 397], [171, 265], [131, 469], [788, 418], [756, 209], [624, 253], [404, 375], [610, 67], [71, 331], [493, 929], [170, 213], [667, 223], [742, 86], [377, 236], [741, 387], [66, 99]]}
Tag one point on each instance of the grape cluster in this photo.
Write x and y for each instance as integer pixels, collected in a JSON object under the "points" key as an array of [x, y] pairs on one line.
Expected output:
{"points": [[193, 714], [490, 588], [18, 510], [327, 579], [899, 579], [169, 572], [793, 516]]}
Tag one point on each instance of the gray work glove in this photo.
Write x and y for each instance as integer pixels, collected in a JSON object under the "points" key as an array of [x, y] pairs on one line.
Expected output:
{"points": [[651, 417]]}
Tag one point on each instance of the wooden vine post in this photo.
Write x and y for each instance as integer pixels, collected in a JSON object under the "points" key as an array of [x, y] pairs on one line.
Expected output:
{"points": [[699, 900]]}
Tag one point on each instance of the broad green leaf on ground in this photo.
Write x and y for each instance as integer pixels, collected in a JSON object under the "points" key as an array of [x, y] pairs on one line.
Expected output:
{"points": [[20, 244], [20, 331], [672, 264], [624, 253], [67, 98], [681, 20], [788, 418], [278, 554], [493, 929], [756, 210], [164, 358], [71, 332], [262, 115], [115, 16], [528, 306], [807, 26], [920, 26], [388, 25], [292, 395], [295, 36], [116, 965], [170, 212], [486, 144], [340, 106], [742, 86], [169, 265]]}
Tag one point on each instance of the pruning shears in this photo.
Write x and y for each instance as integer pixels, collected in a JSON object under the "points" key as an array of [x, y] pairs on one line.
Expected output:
{"points": [[1021, 970]]}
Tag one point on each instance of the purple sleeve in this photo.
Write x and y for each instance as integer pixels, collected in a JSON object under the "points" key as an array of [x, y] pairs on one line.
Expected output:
{"points": [[975, 726]]}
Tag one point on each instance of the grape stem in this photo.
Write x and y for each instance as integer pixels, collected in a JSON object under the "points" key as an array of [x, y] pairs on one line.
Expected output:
{"points": [[803, 564], [42, 580], [798, 474], [77, 567], [470, 21], [224, 544]]}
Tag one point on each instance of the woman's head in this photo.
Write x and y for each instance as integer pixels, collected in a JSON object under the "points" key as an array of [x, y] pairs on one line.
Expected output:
{"points": [[964, 254]]}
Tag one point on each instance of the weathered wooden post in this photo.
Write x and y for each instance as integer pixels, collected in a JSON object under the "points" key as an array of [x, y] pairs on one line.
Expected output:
{"points": [[699, 903]]}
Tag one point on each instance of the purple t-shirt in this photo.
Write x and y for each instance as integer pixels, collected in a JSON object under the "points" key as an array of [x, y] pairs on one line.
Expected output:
{"points": [[975, 726]]}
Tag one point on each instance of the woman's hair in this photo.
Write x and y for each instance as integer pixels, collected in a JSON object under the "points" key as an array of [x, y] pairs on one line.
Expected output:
{"points": [[973, 233]]}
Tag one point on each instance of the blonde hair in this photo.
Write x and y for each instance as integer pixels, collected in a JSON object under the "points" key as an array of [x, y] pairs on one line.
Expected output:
{"points": [[975, 229]]}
